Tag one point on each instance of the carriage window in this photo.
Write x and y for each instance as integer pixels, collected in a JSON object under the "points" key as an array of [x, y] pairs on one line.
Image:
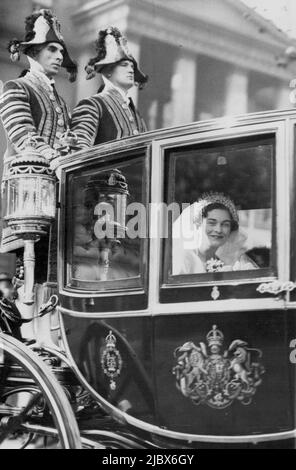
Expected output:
{"points": [[102, 251], [221, 199]]}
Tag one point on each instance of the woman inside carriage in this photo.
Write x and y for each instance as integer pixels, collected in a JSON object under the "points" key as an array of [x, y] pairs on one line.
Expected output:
{"points": [[207, 238]]}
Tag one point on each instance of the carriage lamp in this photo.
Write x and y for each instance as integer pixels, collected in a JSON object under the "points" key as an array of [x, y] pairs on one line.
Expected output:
{"points": [[29, 204], [110, 191]]}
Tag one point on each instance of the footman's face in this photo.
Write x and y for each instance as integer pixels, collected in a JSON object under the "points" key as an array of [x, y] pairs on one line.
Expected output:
{"points": [[123, 74], [51, 58]]}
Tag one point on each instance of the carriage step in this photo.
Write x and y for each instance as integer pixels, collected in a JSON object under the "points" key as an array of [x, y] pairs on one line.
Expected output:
{"points": [[16, 374]]}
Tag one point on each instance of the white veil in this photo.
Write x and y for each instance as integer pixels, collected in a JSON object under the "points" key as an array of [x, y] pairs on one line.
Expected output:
{"points": [[188, 234]]}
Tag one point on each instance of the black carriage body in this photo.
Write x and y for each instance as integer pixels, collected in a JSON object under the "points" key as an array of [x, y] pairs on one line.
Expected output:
{"points": [[189, 357]]}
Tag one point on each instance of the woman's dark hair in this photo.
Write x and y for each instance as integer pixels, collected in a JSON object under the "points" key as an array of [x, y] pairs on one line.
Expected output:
{"points": [[218, 205]]}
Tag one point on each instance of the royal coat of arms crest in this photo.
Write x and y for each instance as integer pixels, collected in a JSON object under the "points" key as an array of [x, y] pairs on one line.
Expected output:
{"points": [[208, 376], [111, 360]]}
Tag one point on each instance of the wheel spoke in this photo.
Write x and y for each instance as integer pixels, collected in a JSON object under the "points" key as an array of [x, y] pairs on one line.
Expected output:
{"points": [[33, 402], [19, 413], [13, 423]]}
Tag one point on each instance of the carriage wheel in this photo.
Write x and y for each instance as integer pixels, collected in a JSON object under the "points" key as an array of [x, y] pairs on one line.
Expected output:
{"points": [[32, 402]]}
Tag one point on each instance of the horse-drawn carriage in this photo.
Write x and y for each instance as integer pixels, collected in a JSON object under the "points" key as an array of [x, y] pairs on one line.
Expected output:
{"points": [[148, 351]]}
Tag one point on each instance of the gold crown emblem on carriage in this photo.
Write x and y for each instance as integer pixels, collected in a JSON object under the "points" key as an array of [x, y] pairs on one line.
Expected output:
{"points": [[110, 340], [111, 360], [215, 337], [216, 378]]}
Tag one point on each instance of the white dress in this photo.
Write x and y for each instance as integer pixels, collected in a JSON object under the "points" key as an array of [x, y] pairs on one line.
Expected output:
{"points": [[192, 264], [189, 234]]}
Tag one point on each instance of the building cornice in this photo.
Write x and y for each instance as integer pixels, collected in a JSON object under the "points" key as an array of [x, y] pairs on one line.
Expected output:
{"points": [[138, 18]]}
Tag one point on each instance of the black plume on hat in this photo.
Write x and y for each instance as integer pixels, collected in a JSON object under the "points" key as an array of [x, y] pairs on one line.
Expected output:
{"points": [[42, 27], [30, 22], [100, 42], [111, 47]]}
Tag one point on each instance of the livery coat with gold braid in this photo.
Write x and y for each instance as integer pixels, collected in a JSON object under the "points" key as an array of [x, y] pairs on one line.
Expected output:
{"points": [[104, 117], [30, 105], [107, 115]]}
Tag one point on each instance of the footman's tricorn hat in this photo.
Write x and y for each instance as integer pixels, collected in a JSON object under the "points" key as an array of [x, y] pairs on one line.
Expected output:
{"points": [[42, 27], [111, 47]]}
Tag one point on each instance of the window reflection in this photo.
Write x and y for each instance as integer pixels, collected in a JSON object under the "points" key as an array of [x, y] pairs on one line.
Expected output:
{"points": [[224, 192], [99, 250]]}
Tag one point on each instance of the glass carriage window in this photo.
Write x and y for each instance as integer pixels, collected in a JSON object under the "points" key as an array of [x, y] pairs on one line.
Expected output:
{"points": [[220, 199], [104, 249]]}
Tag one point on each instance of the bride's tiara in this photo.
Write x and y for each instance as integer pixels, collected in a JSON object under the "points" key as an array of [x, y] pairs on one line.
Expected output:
{"points": [[219, 198]]}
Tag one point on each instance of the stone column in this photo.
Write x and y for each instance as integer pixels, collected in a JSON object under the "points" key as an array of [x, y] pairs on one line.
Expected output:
{"points": [[134, 48], [236, 97], [183, 85], [283, 98], [85, 88]]}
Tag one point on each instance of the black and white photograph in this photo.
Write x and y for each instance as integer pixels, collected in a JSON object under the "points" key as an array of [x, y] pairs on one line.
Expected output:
{"points": [[147, 228]]}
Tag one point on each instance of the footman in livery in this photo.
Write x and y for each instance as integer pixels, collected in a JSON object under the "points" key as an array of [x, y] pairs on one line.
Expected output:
{"points": [[111, 113], [30, 104]]}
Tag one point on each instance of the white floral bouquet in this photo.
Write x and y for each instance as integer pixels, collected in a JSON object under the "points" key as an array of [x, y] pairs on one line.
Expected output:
{"points": [[214, 265]]}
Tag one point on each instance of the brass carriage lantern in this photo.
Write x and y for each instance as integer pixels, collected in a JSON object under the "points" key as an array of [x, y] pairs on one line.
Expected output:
{"points": [[30, 202], [110, 191]]}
